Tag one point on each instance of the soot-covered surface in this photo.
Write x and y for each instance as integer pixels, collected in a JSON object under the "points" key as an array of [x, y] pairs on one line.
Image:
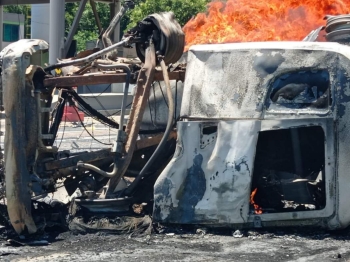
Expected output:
{"points": [[178, 245]]}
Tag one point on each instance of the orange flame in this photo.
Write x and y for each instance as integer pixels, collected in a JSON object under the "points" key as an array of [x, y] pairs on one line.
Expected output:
{"points": [[258, 210], [260, 20]]}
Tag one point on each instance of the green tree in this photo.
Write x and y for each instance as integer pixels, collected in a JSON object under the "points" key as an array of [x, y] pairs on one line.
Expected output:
{"points": [[184, 10], [17, 9], [87, 29]]}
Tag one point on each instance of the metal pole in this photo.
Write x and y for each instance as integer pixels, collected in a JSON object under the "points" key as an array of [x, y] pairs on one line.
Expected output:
{"points": [[74, 26], [115, 8], [111, 13], [56, 41], [1, 25], [116, 35], [97, 18]]}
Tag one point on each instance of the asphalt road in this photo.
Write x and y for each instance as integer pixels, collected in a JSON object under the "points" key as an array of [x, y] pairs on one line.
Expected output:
{"points": [[252, 246]]}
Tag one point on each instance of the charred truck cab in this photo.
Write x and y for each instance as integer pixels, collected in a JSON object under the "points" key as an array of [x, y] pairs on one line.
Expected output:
{"points": [[264, 138]]}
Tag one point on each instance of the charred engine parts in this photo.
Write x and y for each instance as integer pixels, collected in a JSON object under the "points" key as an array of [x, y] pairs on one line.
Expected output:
{"points": [[338, 29], [162, 29], [167, 34]]}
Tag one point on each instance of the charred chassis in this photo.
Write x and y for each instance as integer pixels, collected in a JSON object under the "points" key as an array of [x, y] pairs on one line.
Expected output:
{"points": [[34, 164]]}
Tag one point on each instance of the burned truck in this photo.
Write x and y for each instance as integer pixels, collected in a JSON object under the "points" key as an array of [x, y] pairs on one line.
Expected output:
{"points": [[261, 131]]}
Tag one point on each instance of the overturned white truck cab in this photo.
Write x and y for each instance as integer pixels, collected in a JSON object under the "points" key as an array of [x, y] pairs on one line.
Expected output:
{"points": [[257, 136], [263, 138]]}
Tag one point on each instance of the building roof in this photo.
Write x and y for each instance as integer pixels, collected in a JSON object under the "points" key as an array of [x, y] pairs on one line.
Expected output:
{"points": [[13, 18]]}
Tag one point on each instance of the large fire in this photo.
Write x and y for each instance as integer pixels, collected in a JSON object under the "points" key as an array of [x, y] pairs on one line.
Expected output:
{"points": [[257, 210], [260, 20]]}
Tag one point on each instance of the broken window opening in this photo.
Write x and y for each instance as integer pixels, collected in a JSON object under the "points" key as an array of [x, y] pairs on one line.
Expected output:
{"points": [[208, 130], [289, 171], [300, 90], [208, 135]]}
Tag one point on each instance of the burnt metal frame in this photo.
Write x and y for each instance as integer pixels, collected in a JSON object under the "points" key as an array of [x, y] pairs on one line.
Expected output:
{"points": [[77, 80], [73, 161], [145, 76], [139, 103]]}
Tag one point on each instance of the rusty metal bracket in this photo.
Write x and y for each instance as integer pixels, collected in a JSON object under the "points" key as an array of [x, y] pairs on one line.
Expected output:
{"points": [[144, 82], [102, 78], [72, 161]]}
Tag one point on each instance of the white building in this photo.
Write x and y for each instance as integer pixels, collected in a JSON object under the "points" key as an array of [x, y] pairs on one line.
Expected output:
{"points": [[13, 28]]}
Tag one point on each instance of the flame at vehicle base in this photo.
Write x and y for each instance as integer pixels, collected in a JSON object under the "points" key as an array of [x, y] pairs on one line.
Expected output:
{"points": [[257, 210]]}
